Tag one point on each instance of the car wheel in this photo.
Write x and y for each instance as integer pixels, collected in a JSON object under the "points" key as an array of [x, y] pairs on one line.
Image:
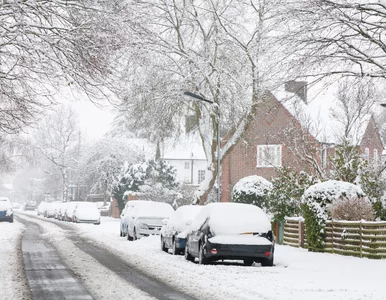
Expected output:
{"points": [[248, 262], [135, 235], [120, 232], [188, 256], [163, 248], [129, 237], [11, 220], [202, 260], [267, 262], [175, 251]]}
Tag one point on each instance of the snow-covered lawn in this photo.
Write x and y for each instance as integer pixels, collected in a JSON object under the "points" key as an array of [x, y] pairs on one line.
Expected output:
{"points": [[298, 274], [12, 284]]}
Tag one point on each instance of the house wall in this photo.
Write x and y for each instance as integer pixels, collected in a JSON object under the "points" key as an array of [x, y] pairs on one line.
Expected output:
{"points": [[273, 124], [186, 175], [371, 140]]}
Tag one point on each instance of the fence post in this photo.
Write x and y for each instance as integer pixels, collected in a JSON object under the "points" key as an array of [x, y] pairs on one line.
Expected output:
{"points": [[301, 240], [332, 236], [360, 238]]}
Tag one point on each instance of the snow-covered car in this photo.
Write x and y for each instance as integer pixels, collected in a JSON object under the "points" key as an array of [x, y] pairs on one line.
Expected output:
{"points": [[173, 233], [86, 212], [69, 210], [30, 205], [61, 211], [42, 207], [146, 218], [51, 209], [232, 231], [126, 216], [16, 205], [6, 211]]}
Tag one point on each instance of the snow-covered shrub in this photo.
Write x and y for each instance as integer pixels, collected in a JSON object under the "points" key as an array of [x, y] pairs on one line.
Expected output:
{"points": [[252, 190], [317, 201], [153, 180], [287, 190], [352, 209]]}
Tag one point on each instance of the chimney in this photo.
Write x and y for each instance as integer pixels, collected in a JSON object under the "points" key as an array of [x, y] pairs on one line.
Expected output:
{"points": [[297, 87]]}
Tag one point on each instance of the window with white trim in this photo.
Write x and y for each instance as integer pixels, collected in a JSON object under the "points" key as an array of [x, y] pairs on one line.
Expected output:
{"points": [[367, 153], [201, 176], [268, 156], [376, 157]]}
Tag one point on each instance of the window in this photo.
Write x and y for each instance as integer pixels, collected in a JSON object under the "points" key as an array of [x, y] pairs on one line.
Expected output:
{"points": [[324, 158], [268, 155], [367, 153], [201, 176], [376, 157], [187, 165]]}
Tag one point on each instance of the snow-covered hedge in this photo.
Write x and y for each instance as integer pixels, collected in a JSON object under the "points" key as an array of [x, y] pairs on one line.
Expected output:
{"points": [[252, 190], [317, 202]]}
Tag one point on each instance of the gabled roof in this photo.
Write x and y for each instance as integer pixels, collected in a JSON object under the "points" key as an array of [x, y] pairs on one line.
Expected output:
{"points": [[318, 115], [185, 147]]}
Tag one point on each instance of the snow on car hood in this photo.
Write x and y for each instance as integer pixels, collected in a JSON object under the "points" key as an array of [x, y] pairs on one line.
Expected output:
{"points": [[242, 239]]}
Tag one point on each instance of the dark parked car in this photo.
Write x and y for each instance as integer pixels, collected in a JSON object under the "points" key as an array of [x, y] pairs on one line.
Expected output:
{"points": [[6, 211], [173, 232], [30, 206], [232, 231]]}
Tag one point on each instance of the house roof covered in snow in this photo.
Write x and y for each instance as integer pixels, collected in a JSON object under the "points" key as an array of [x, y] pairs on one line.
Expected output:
{"points": [[188, 146], [318, 114]]}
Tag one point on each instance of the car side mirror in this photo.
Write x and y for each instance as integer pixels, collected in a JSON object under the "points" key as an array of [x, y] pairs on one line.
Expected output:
{"points": [[164, 221], [122, 214], [189, 222]]}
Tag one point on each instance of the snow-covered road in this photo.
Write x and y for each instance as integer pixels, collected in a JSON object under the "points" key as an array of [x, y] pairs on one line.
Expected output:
{"points": [[298, 274]]}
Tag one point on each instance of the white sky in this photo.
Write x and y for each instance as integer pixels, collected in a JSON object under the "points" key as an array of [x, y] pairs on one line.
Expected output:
{"points": [[94, 121]]}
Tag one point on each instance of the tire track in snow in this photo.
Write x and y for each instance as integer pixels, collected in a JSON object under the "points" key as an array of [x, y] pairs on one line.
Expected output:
{"points": [[127, 273]]}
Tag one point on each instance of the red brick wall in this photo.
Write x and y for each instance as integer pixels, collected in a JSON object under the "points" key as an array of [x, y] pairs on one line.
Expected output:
{"points": [[268, 127], [371, 139]]}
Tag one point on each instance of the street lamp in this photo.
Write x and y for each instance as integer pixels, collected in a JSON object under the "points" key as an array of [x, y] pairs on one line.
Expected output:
{"points": [[201, 98]]}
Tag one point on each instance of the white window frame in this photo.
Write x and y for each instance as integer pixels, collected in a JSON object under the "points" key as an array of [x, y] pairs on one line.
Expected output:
{"points": [[263, 151], [367, 153], [200, 176], [376, 156]]}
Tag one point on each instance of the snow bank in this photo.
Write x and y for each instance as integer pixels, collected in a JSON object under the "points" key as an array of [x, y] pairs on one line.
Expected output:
{"points": [[12, 283]]}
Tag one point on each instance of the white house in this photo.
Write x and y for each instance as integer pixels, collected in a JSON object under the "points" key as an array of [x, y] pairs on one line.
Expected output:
{"points": [[187, 155]]}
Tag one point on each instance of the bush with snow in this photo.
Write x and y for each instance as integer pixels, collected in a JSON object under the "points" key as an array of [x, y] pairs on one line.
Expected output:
{"points": [[352, 209], [252, 190], [287, 189], [317, 202]]}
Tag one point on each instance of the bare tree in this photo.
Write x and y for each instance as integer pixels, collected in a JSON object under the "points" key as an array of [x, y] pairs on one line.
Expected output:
{"points": [[55, 136], [341, 36], [46, 44], [228, 51], [356, 99]]}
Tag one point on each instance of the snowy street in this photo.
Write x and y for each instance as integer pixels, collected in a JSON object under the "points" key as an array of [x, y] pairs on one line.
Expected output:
{"points": [[297, 274]]}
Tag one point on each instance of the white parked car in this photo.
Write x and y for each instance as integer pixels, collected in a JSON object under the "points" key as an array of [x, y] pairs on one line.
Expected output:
{"points": [[69, 210], [42, 207], [146, 218], [51, 209], [173, 233], [87, 212], [126, 216]]}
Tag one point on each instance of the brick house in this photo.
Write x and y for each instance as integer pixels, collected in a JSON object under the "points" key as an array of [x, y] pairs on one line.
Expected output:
{"points": [[284, 133]]}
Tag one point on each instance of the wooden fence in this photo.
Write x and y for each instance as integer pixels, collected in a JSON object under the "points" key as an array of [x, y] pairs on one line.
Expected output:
{"points": [[353, 238], [294, 232]]}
